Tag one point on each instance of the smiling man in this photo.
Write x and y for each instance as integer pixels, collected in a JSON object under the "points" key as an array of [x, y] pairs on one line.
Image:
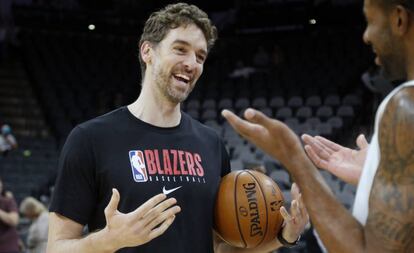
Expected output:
{"points": [[383, 215], [135, 156]]}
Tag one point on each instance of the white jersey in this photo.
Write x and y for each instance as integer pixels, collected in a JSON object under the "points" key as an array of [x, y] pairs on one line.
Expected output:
{"points": [[360, 209]]}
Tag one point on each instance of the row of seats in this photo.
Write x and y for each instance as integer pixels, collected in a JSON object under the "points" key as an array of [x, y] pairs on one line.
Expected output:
{"points": [[274, 102], [312, 89], [24, 175], [284, 113], [82, 75]]}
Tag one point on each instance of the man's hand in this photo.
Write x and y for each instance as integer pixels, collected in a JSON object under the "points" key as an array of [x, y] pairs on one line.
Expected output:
{"points": [[298, 218], [272, 136], [294, 224], [140, 226], [343, 162]]}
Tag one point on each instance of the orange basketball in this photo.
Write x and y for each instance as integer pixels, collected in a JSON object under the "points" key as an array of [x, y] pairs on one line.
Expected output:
{"points": [[247, 209]]}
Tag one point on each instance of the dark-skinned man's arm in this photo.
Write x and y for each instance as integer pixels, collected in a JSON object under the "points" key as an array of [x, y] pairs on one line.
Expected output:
{"points": [[388, 223]]}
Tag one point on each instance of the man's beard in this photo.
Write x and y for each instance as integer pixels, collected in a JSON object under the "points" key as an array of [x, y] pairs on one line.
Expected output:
{"points": [[393, 70], [393, 61], [163, 80]]}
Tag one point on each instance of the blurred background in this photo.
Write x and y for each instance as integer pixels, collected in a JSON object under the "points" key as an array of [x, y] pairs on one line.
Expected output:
{"points": [[63, 62]]}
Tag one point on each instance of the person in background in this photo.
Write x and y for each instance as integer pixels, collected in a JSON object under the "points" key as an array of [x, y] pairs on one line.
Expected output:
{"points": [[35, 211], [7, 140], [9, 218]]}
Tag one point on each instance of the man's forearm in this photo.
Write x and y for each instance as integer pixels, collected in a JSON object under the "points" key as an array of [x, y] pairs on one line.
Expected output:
{"points": [[92, 243], [339, 231], [11, 219]]}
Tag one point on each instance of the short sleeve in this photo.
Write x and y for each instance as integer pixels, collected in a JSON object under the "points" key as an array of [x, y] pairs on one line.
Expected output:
{"points": [[225, 162], [11, 205], [75, 193]]}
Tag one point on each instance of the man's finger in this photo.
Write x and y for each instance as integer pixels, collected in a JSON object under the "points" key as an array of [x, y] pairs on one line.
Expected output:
{"points": [[148, 205], [157, 210], [302, 207], [316, 159], [260, 118], [362, 142], [113, 203], [294, 209], [306, 138], [332, 145], [162, 228], [244, 127], [312, 155], [161, 217], [317, 152], [294, 191], [322, 150], [286, 216]]}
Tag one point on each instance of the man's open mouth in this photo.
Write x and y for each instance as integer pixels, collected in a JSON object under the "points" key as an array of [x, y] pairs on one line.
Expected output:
{"points": [[182, 78]]}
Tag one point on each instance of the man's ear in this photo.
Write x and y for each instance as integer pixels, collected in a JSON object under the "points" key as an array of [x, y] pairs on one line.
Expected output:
{"points": [[146, 52], [400, 20]]}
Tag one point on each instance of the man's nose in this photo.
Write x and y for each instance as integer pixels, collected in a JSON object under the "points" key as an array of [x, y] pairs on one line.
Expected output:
{"points": [[190, 63]]}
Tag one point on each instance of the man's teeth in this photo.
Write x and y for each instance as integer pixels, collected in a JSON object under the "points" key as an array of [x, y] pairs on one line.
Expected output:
{"points": [[183, 77]]}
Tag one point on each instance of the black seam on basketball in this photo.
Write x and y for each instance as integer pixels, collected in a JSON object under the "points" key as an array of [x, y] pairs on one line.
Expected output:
{"points": [[264, 199], [235, 206]]}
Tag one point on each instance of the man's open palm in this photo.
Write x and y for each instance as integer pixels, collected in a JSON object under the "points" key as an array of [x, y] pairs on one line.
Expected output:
{"points": [[343, 162]]}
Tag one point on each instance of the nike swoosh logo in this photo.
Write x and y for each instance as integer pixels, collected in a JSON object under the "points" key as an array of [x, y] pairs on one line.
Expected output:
{"points": [[166, 192]]}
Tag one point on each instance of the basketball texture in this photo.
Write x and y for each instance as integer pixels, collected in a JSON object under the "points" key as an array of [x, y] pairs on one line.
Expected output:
{"points": [[247, 209]]}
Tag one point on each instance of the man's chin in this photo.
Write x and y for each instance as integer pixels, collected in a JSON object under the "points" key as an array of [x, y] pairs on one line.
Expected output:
{"points": [[177, 98], [393, 76], [179, 95]]}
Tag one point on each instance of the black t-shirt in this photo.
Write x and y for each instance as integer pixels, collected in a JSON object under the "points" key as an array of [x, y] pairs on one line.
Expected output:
{"points": [[117, 150]]}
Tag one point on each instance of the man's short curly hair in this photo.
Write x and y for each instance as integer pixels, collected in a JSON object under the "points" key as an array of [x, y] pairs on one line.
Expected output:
{"points": [[174, 16]]}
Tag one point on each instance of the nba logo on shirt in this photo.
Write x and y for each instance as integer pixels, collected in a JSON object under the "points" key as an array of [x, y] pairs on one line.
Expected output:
{"points": [[139, 170]]}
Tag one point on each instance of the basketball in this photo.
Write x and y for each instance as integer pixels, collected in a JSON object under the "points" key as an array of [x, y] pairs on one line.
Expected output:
{"points": [[247, 207]]}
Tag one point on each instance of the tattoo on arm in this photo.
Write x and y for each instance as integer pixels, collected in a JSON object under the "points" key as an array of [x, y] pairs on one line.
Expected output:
{"points": [[391, 209]]}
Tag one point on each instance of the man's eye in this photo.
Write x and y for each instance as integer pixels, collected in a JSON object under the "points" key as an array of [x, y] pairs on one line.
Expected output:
{"points": [[180, 49], [201, 58]]}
